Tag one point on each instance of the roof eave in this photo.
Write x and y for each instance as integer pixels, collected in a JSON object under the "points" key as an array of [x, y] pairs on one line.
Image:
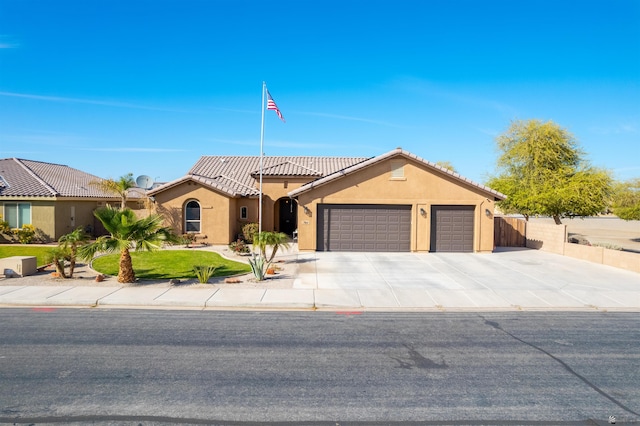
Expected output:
{"points": [[398, 151]]}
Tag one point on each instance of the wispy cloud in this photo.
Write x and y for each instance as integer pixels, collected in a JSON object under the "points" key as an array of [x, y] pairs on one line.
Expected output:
{"points": [[615, 129], [88, 101], [349, 118], [273, 143], [7, 42], [43, 138], [133, 149], [428, 88]]}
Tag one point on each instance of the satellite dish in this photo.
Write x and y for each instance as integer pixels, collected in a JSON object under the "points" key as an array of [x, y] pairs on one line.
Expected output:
{"points": [[144, 181]]}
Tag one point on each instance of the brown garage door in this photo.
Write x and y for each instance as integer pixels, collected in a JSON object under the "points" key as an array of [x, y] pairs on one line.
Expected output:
{"points": [[358, 227], [452, 228]]}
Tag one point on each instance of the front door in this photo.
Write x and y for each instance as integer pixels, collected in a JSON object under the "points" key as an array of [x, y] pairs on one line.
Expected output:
{"points": [[288, 216]]}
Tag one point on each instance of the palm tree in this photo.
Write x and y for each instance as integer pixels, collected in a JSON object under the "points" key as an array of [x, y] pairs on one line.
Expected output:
{"points": [[274, 239], [58, 256], [119, 187], [71, 242], [127, 233]]}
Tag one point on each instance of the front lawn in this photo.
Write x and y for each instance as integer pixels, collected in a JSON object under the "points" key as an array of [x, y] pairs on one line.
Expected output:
{"points": [[40, 252], [167, 264]]}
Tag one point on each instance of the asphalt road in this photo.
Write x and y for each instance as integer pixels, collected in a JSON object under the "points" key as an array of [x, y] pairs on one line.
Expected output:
{"points": [[158, 367]]}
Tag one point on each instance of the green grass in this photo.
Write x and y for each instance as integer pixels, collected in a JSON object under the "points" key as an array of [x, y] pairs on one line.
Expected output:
{"points": [[167, 264], [39, 252]]}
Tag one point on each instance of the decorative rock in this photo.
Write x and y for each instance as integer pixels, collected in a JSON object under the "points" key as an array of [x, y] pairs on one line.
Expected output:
{"points": [[232, 280], [99, 278], [174, 281]]}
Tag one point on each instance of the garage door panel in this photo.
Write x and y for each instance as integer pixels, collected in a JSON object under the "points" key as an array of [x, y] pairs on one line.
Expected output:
{"points": [[364, 227], [452, 228]]}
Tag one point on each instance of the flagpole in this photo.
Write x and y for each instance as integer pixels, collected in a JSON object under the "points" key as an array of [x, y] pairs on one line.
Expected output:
{"points": [[264, 88]]}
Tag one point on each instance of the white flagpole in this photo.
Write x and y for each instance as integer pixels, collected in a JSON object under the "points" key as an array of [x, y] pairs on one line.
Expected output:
{"points": [[264, 88]]}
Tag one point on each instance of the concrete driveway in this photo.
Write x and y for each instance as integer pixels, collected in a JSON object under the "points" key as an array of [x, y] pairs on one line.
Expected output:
{"points": [[505, 279], [521, 279]]}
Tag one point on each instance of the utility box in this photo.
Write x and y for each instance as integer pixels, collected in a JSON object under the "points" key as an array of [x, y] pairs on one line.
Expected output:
{"points": [[18, 266]]}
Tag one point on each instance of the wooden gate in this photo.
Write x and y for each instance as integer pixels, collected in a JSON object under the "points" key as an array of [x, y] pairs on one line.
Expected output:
{"points": [[509, 232]]}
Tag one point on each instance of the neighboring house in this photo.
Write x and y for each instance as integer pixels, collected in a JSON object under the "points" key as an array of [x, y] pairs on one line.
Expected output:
{"points": [[392, 202], [54, 198]]}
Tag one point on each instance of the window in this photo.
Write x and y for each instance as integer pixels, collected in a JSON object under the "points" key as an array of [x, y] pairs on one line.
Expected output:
{"points": [[244, 212], [397, 169], [192, 217], [17, 214]]}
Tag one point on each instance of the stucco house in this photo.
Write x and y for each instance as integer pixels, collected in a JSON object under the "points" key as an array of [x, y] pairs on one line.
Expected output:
{"points": [[54, 198], [396, 201]]}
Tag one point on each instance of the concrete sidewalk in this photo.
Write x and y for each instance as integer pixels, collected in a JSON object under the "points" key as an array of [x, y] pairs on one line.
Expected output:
{"points": [[504, 280]]}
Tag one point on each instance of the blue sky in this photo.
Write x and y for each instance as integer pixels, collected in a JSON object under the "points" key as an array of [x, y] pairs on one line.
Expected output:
{"points": [[147, 87]]}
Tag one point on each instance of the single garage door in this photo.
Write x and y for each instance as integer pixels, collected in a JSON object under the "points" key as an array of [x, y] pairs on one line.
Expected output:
{"points": [[452, 228], [358, 227]]}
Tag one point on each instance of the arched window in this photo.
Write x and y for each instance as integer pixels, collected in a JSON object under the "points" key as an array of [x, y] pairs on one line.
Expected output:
{"points": [[192, 217]]}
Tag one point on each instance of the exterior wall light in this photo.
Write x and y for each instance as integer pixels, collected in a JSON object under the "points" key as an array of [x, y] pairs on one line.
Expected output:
{"points": [[423, 212]]}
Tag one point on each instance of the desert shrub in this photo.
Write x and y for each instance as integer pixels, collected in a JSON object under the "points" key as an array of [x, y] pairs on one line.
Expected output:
{"points": [[608, 246], [25, 234], [239, 247], [204, 272], [187, 239], [249, 231]]}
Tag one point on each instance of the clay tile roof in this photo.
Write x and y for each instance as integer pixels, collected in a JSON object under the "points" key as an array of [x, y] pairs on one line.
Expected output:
{"points": [[236, 175], [287, 168], [26, 178]]}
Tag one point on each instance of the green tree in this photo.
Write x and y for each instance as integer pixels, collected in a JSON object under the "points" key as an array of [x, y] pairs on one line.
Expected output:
{"points": [[542, 171], [626, 199], [446, 165], [71, 242], [127, 233], [119, 187]]}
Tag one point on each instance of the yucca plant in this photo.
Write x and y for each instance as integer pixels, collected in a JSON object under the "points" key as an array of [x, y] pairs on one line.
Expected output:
{"points": [[204, 272]]}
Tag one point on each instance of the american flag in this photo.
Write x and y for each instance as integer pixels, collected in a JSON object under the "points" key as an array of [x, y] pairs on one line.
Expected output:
{"points": [[271, 104]]}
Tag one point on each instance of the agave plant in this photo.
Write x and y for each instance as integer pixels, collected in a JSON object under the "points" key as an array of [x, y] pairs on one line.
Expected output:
{"points": [[258, 265]]}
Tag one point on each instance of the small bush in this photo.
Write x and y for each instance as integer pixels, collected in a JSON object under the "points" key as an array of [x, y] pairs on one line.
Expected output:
{"points": [[187, 239], [608, 246], [25, 234], [249, 231], [239, 247], [204, 272]]}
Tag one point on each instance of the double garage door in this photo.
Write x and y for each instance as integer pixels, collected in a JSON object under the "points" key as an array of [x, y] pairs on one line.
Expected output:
{"points": [[358, 227], [387, 228]]}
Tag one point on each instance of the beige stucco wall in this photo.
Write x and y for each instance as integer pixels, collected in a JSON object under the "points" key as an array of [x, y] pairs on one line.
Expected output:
{"points": [[274, 189], [218, 215], [421, 186], [42, 215]]}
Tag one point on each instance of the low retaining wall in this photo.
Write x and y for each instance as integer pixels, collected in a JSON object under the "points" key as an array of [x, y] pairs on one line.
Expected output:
{"points": [[553, 238], [546, 237], [615, 258]]}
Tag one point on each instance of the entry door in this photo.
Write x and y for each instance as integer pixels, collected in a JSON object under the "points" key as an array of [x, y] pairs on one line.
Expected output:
{"points": [[288, 216]]}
